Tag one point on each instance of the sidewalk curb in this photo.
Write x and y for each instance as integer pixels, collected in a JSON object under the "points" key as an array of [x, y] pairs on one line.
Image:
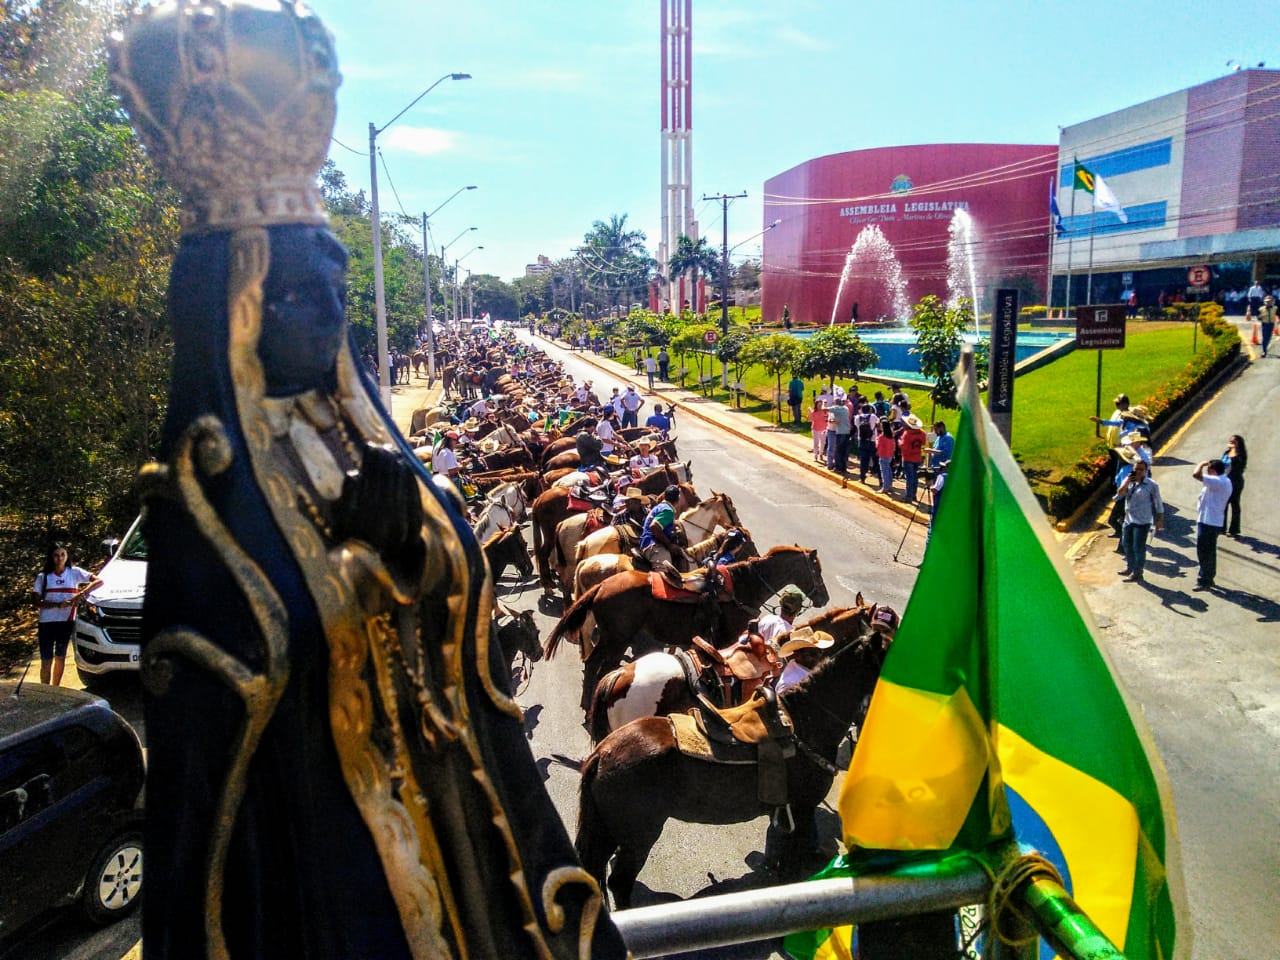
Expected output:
{"points": [[616, 369]]}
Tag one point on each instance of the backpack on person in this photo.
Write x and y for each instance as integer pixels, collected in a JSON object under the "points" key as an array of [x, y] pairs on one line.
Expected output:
{"points": [[864, 427], [881, 408]]}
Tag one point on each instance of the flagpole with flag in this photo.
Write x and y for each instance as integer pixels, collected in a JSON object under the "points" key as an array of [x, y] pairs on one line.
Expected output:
{"points": [[999, 717], [1100, 195], [1071, 237], [1055, 230]]}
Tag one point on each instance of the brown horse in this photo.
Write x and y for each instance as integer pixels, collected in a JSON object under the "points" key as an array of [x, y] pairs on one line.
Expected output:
{"points": [[637, 778], [552, 506], [628, 616], [656, 684], [505, 548]]}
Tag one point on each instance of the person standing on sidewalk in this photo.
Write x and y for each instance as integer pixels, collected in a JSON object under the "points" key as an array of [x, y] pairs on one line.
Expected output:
{"points": [[1211, 513], [1268, 315], [1143, 508], [818, 421], [838, 426], [664, 362], [58, 590], [650, 368], [886, 447], [911, 444], [1236, 458]]}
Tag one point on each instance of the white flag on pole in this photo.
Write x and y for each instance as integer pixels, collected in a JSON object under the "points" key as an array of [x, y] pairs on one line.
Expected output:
{"points": [[1106, 199]]}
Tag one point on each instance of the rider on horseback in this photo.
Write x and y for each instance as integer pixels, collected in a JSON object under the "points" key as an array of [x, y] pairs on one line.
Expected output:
{"points": [[657, 539]]}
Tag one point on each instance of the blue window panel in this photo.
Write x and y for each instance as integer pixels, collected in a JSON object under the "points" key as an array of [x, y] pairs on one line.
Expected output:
{"points": [[1142, 216], [1144, 156]]}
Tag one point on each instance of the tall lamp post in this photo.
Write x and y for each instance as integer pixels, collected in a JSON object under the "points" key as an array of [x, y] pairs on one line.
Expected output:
{"points": [[724, 199], [445, 264], [457, 292], [379, 296], [426, 282]]}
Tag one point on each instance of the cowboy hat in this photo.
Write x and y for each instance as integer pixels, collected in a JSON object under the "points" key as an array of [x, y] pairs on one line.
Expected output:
{"points": [[471, 425], [1140, 412], [805, 638], [1133, 437], [490, 445], [914, 422], [633, 493], [645, 442]]}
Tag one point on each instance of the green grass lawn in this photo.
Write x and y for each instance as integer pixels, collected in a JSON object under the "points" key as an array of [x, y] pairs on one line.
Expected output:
{"points": [[1051, 429]]}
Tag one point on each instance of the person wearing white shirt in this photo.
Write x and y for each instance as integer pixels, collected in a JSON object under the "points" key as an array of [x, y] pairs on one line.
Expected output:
{"points": [[1211, 517], [606, 431], [645, 460], [631, 404], [445, 460]]}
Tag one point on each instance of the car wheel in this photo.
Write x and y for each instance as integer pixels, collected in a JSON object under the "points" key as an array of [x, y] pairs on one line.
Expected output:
{"points": [[114, 881]]}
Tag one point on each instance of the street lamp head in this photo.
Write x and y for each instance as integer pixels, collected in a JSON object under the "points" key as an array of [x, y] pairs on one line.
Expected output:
{"points": [[459, 76], [774, 224], [472, 187]]}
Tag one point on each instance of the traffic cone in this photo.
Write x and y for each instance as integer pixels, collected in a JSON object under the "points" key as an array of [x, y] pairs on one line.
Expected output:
{"points": [[1257, 334]]}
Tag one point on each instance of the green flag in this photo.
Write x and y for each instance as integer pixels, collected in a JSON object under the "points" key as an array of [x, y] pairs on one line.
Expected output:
{"points": [[997, 715]]}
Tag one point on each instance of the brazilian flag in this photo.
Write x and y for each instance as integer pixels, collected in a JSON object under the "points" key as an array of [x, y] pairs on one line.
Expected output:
{"points": [[998, 716], [1084, 180]]}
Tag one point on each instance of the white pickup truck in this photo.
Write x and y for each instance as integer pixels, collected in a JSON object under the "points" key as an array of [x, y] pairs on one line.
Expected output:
{"points": [[109, 621]]}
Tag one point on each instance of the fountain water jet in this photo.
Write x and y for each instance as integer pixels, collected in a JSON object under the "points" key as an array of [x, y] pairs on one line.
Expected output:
{"points": [[872, 270], [962, 255]]}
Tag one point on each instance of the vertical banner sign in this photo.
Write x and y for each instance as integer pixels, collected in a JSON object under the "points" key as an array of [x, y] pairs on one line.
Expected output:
{"points": [[1004, 343]]}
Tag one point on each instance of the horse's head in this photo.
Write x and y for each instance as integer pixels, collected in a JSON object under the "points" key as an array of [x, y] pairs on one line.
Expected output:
{"points": [[800, 566], [520, 555], [729, 516]]}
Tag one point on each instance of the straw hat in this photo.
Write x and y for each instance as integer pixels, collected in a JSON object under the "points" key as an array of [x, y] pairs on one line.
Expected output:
{"points": [[1140, 412], [805, 638], [645, 442], [472, 425], [914, 422], [490, 445], [1134, 437], [633, 493]]}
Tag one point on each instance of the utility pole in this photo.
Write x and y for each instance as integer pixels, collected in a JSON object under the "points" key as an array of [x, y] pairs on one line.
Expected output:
{"points": [[724, 199], [431, 326]]}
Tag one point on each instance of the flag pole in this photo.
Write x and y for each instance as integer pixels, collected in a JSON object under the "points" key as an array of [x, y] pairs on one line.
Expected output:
{"points": [[1071, 235], [1093, 215], [1048, 289]]}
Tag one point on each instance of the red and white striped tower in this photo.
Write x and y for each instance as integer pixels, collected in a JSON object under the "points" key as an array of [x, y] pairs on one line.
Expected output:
{"points": [[677, 138]]}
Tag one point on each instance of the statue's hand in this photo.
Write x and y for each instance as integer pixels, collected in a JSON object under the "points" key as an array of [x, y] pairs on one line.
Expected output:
{"points": [[380, 503]]}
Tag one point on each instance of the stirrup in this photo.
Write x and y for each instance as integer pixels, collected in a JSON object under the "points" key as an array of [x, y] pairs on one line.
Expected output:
{"points": [[776, 819]]}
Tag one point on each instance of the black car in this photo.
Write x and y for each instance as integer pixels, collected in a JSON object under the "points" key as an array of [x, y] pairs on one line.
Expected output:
{"points": [[71, 777]]}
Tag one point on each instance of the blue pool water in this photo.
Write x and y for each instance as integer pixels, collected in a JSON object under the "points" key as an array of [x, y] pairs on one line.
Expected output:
{"points": [[894, 347]]}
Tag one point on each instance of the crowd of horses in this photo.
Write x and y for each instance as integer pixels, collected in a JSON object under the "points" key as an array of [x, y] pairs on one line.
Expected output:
{"points": [[633, 633]]}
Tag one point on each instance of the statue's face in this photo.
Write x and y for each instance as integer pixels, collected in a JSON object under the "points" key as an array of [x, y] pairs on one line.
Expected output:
{"points": [[303, 310]]}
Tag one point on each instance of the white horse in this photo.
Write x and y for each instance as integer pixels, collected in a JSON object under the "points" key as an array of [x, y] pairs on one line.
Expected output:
{"points": [[504, 507]]}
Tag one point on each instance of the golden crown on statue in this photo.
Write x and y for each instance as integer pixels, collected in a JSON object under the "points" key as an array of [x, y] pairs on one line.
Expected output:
{"points": [[235, 101]]}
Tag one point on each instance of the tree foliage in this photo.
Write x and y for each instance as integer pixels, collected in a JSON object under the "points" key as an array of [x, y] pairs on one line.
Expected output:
{"points": [[87, 236], [834, 351], [778, 353], [614, 263], [693, 257], [939, 333]]}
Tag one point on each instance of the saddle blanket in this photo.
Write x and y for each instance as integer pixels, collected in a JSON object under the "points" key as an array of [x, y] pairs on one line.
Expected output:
{"points": [[664, 589], [693, 742]]}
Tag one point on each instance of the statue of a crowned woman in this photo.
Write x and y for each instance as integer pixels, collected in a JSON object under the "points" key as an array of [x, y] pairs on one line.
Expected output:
{"points": [[336, 769]]}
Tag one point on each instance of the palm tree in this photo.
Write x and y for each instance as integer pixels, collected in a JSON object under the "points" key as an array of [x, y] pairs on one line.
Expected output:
{"points": [[614, 259], [692, 256]]}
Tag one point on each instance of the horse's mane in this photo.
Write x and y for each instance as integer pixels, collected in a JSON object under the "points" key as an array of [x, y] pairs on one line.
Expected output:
{"points": [[496, 536], [869, 649]]}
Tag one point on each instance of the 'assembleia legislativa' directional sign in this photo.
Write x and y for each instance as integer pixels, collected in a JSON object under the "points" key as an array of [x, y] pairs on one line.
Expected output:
{"points": [[1100, 327]]}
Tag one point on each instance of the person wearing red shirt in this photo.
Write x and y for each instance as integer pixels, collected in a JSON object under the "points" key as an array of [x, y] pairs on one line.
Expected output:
{"points": [[886, 447], [912, 444]]}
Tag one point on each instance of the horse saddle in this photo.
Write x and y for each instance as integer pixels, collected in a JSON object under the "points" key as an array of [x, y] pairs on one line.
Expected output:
{"points": [[628, 534], [736, 667], [669, 585], [754, 732]]}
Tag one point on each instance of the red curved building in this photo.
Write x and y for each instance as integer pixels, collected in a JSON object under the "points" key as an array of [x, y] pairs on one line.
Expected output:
{"points": [[911, 194]]}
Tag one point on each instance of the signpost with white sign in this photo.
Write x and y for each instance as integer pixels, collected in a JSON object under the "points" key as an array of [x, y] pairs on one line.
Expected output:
{"points": [[1197, 285], [1100, 328], [710, 338]]}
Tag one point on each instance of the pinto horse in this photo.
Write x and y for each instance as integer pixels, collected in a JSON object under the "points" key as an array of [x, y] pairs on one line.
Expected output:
{"points": [[656, 685], [628, 616], [637, 779]]}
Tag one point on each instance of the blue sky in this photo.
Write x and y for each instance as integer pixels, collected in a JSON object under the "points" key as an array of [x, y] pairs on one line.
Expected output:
{"points": [[560, 125]]}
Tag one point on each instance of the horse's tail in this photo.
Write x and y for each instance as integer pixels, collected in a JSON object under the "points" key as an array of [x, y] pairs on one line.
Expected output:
{"points": [[560, 558], [572, 620], [594, 844], [601, 700]]}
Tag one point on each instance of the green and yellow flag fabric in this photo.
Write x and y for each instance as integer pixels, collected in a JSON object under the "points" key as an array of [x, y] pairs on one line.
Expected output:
{"points": [[1085, 180], [997, 715]]}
